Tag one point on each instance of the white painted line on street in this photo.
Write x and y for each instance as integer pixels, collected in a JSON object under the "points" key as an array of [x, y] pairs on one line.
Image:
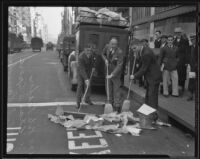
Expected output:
{"points": [[69, 103], [11, 134], [83, 136], [14, 128], [21, 60], [9, 140], [85, 145], [10, 147]]}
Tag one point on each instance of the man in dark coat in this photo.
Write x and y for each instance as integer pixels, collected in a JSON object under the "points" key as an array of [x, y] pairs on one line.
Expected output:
{"points": [[183, 54], [113, 57], [86, 62], [193, 66], [157, 42], [151, 72]]}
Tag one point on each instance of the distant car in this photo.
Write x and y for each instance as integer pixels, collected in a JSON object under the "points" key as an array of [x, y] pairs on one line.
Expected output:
{"points": [[36, 44], [49, 46]]}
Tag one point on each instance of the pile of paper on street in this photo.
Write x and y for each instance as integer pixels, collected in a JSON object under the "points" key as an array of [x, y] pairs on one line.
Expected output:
{"points": [[122, 123], [102, 16]]}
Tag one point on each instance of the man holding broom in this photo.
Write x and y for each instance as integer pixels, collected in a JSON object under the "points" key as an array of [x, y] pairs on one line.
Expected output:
{"points": [[113, 57], [86, 62], [152, 74]]}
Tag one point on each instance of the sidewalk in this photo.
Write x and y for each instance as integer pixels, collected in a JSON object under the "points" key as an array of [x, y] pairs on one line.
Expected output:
{"points": [[178, 108]]}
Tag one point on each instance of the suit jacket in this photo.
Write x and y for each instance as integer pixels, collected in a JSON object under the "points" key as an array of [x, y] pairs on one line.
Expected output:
{"points": [[183, 50], [169, 56], [85, 65], [157, 43], [150, 67], [115, 62], [194, 58]]}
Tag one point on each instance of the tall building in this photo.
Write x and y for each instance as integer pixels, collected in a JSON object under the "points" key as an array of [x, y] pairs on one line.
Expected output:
{"points": [[20, 22], [146, 20], [68, 20]]}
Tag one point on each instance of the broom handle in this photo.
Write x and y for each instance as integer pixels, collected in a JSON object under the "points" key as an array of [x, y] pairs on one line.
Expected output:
{"points": [[108, 98], [88, 85], [131, 79]]}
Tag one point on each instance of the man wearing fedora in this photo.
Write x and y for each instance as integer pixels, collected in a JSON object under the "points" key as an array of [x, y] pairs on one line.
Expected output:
{"points": [[183, 55], [193, 66]]}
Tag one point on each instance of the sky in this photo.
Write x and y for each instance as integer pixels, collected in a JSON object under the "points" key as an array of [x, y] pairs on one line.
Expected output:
{"points": [[52, 17]]}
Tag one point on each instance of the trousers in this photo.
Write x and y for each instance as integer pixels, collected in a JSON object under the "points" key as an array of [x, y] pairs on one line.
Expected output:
{"points": [[81, 90], [114, 91], [151, 97], [173, 75]]}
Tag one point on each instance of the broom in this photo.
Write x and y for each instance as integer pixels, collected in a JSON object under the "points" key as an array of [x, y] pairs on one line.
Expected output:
{"points": [[127, 103], [108, 107], [83, 99]]}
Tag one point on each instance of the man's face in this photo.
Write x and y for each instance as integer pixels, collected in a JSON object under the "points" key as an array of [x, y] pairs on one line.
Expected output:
{"points": [[136, 48], [113, 43], [170, 41], [178, 34], [157, 35], [88, 51]]}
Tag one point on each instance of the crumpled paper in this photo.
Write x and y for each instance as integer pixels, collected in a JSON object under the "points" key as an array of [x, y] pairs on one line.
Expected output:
{"points": [[74, 123]]}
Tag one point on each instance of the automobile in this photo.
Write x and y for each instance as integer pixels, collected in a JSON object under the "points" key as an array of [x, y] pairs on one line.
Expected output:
{"points": [[36, 44], [49, 46]]}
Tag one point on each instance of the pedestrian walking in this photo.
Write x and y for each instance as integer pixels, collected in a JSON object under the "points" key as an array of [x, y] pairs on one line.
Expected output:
{"points": [[168, 61], [151, 72], [183, 55], [193, 66], [157, 42], [113, 57], [86, 61]]}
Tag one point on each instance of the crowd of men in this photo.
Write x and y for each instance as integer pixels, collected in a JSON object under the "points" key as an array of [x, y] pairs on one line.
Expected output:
{"points": [[176, 55], [168, 68]]}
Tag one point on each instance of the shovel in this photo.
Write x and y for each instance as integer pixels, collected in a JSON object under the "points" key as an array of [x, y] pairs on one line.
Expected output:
{"points": [[83, 99], [108, 107], [127, 103]]}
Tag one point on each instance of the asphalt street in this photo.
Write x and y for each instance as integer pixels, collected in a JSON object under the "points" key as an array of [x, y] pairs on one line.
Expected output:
{"points": [[37, 84]]}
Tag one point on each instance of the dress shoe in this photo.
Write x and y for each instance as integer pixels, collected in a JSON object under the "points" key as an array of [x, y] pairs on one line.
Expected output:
{"points": [[175, 96], [89, 102], [166, 95]]}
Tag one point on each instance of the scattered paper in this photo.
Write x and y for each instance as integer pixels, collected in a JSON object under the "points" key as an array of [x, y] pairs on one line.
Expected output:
{"points": [[146, 110]]}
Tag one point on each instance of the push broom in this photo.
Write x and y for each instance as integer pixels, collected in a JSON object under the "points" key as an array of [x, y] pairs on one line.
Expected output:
{"points": [[108, 107], [127, 103], [83, 99]]}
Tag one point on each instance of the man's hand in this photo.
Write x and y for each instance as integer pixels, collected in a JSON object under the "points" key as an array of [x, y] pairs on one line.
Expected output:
{"points": [[132, 77], [87, 82], [109, 76]]}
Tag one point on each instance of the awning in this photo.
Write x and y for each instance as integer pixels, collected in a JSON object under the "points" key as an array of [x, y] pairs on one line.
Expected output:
{"points": [[166, 14]]}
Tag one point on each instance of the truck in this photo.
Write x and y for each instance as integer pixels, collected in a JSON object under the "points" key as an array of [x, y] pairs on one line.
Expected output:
{"points": [[36, 44], [68, 46], [15, 43], [100, 35]]}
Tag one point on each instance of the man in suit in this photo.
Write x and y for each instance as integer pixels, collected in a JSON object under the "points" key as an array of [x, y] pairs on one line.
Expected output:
{"points": [[113, 57], [152, 74], [168, 60], [86, 61], [157, 42], [193, 66], [183, 54]]}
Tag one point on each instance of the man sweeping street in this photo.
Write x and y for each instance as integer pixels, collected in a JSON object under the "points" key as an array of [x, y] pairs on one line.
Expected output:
{"points": [[113, 57], [86, 62], [152, 74]]}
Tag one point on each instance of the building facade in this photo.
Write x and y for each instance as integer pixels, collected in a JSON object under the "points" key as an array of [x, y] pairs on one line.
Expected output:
{"points": [[146, 20], [19, 20], [68, 20]]}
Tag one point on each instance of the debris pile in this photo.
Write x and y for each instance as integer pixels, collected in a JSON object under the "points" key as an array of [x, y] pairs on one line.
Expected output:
{"points": [[102, 16]]}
